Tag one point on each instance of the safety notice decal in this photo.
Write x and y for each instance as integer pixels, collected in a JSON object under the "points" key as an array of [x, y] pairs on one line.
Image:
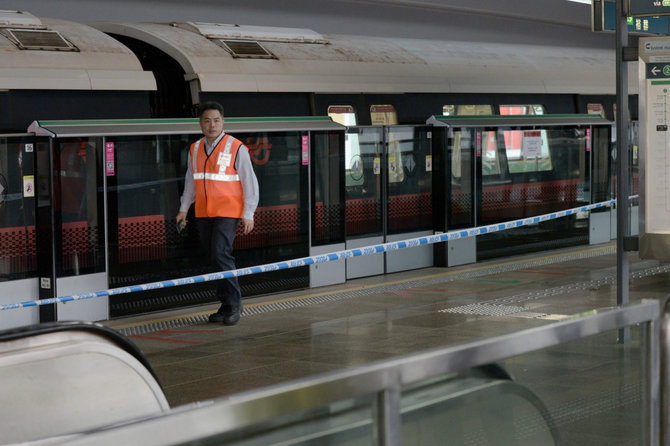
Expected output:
{"points": [[28, 186], [110, 168]]}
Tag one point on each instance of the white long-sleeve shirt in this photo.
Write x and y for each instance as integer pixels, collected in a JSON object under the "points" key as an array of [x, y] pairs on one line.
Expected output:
{"points": [[245, 171]]}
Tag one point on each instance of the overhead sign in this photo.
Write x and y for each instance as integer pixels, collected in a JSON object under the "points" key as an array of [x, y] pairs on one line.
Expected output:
{"points": [[646, 25], [604, 19], [648, 7]]}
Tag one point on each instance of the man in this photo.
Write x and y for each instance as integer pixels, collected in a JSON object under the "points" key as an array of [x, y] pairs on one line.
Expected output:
{"points": [[220, 180]]}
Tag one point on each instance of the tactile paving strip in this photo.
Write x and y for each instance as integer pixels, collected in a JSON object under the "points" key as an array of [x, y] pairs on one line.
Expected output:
{"points": [[500, 306], [485, 309], [493, 307]]}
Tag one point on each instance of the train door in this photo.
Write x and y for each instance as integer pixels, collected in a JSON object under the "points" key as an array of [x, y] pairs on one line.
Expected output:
{"points": [[327, 204], [365, 198], [78, 227], [51, 227], [365, 204], [18, 259], [409, 195], [462, 156], [602, 165], [115, 198]]}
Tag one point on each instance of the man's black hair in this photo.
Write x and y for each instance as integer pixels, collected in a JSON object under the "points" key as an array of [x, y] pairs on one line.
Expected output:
{"points": [[210, 106]]}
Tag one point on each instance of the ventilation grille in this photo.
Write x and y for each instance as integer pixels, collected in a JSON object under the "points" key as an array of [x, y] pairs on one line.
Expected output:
{"points": [[246, 49], [28, 39]]}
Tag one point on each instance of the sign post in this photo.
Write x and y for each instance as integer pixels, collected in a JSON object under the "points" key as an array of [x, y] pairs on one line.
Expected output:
{"points": [[604, 19], [654, 81], [622, 163], [654, 55]]}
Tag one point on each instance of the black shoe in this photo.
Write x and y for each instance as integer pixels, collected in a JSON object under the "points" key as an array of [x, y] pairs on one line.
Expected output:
{"points": [[232, 317], [216, 317]]}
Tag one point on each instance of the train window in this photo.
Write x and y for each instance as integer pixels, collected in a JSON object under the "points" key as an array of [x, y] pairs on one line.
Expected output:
{"points": [[353, 164], [345, 115], [490, 159], [342, 114], [467, 110], [383, 115], [460, 140], [538, 109], [595, 109], [395, 160], [476, 110], [528, 109], [514, 110], [527, 151]]}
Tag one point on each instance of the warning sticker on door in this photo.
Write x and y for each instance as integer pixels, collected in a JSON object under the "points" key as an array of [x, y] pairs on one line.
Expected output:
{"points": [[28, 186]]}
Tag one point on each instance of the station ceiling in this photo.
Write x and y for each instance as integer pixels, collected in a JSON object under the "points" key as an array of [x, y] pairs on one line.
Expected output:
{"points": [[543, 22]]}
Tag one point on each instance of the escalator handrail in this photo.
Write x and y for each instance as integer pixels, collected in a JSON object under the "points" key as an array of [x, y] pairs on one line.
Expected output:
{"points": [[90, 327]]}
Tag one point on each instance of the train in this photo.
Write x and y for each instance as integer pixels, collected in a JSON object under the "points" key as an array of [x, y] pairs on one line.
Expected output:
{"points": [[56, 69], [377, 179]]}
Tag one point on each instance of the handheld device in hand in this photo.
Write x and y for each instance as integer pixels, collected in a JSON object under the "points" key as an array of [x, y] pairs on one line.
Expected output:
{"points": [[181, 226]]}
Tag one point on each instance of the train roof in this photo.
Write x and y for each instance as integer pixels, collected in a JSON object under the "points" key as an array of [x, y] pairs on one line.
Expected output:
{"points": [[52, 54], [218, 57]]}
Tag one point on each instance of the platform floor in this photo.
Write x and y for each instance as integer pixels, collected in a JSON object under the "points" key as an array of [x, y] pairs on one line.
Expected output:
{"points": [[593, 388]]}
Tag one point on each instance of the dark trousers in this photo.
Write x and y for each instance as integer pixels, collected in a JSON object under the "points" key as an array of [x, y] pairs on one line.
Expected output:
{"points": [[217, 235]]}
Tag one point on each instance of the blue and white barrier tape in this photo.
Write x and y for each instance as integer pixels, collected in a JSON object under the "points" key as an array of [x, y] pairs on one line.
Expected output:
{"points": [[329, 257]]}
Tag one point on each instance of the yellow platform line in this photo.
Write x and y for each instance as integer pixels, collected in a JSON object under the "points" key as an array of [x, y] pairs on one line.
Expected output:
{"points": [[459, 270]]}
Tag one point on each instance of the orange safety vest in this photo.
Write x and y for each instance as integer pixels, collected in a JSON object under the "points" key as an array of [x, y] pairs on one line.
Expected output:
{"points": [[218, 190]]}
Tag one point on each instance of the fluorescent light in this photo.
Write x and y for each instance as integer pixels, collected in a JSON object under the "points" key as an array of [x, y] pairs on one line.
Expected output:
{"points": [[587, 2]]}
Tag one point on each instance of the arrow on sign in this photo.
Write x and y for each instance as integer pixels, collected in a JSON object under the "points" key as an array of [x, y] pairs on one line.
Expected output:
{"points": [[655, 70]]}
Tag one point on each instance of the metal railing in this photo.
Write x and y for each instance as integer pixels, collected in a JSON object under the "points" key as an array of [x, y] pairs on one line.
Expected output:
{"points": [[383, 380]]}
